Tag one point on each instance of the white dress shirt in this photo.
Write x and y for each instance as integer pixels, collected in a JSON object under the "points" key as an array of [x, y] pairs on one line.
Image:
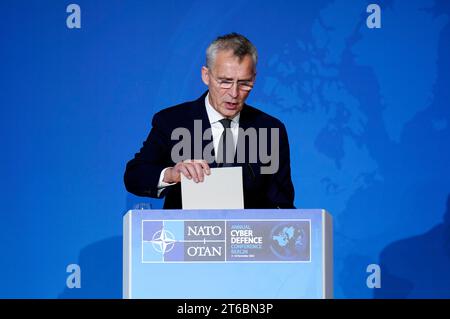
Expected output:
{"points": [[217, 129]]}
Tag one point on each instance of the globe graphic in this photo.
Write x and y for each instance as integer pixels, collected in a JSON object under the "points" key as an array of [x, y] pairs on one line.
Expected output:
{"points": [[288, 241]]}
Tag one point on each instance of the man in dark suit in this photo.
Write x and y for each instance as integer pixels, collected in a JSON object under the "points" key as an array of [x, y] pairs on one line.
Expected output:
{"points": [[225, 131]]}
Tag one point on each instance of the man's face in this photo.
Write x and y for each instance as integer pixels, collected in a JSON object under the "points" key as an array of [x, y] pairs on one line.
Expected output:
{"points": [[227, 68]]}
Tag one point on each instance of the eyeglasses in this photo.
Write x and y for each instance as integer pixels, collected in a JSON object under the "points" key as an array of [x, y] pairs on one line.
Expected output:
{"points": [[227, 84]]}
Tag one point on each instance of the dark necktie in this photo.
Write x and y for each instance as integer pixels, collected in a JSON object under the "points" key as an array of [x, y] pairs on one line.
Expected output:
{"points": [[225, 150]]}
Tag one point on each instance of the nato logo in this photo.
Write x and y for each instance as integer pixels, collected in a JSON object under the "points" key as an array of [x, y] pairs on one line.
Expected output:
{"points": [[183, 241], [163, 241]]}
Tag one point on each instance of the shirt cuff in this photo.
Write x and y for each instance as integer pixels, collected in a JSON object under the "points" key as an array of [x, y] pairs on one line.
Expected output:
{"points": [[161, 183]]}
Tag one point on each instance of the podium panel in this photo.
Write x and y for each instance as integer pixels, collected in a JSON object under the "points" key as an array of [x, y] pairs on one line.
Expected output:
{"points": [[209, 254]]}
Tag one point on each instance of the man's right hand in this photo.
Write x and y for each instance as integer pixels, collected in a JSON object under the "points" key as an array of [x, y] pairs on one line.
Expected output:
{"points": [[191, 169]]}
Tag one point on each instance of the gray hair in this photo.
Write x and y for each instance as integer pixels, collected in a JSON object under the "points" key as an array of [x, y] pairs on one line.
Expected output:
{"points": [[240, 45]]}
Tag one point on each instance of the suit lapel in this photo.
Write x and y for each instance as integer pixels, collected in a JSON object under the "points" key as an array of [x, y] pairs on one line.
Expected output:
{"points": [[244, 124], [199, 113]]}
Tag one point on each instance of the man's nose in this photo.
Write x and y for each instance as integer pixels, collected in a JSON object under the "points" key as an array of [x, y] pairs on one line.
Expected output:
{"points": [[234, 91]]}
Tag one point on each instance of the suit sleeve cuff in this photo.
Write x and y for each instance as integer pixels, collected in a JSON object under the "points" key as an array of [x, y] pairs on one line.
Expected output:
{"points": [[161, 184]]}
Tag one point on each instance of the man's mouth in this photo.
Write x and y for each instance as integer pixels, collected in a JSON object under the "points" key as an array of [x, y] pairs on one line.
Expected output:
{"points": [[231, 106]]}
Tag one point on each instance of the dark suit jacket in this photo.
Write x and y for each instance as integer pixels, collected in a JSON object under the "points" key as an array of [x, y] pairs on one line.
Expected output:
{"points": [[260, 190]]}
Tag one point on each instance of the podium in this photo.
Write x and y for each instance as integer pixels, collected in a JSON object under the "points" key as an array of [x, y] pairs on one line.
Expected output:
{"points": [[224, 254]]}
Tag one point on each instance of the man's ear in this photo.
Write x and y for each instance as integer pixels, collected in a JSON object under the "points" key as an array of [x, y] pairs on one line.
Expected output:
{"points": [[205, 75]]}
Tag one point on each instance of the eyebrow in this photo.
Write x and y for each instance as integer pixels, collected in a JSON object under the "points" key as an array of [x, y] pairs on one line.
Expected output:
{"points": [[230, 79]]}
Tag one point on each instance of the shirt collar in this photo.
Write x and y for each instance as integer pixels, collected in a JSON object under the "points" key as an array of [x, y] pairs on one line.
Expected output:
{"points": [[215, 116]]}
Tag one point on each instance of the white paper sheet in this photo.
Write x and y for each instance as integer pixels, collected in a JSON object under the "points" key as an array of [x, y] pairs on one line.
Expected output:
{"points": [[223, 189]]}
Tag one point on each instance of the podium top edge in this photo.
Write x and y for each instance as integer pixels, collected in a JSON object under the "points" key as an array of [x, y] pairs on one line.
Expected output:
{"points": [[250, 211]]}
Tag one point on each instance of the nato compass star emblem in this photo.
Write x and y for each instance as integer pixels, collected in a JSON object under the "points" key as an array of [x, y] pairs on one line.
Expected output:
{"points": [[163, 241]]}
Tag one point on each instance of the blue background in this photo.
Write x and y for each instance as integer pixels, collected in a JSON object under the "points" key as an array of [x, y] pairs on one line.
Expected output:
{"points": [[367, 112]]}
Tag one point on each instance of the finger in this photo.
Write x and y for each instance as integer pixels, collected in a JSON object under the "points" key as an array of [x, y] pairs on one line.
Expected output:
{"points": [[205, 167], [199, 169], [192, 171], [184, 171]]}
